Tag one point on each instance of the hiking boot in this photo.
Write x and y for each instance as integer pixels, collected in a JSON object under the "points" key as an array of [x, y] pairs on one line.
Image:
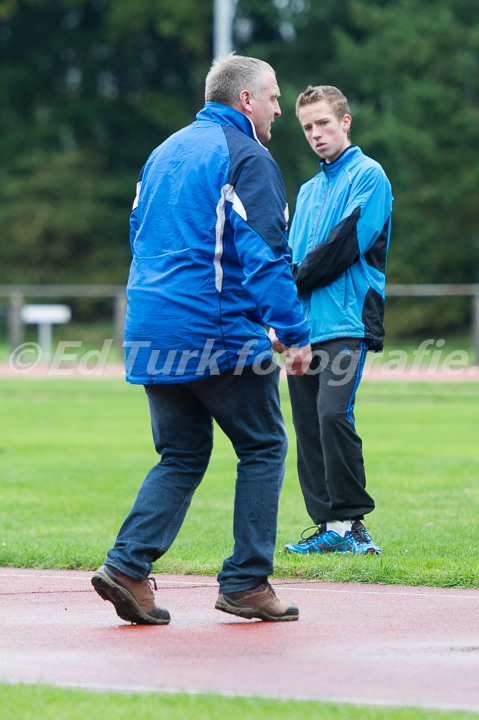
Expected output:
{"points": [[260, 602], [362, 541], [321, 541], [133, 599]]}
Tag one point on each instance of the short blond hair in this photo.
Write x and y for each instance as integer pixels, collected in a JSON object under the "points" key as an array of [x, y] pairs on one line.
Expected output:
{"points": [[334, 97]]}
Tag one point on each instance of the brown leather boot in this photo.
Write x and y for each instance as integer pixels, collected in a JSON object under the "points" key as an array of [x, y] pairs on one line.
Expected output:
{"points": [[133, 599], [260, 602]]}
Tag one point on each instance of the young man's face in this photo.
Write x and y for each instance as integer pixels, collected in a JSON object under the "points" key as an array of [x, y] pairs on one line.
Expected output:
{"points": [[327, 135], [265, 108]]}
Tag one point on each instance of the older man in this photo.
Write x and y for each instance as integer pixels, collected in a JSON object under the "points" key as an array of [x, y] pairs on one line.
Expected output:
{"points": [[210, 269]]}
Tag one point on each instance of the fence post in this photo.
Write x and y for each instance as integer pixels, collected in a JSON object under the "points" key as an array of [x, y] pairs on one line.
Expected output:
{"points": [[15, 325], [119, 310], [475, 326]]}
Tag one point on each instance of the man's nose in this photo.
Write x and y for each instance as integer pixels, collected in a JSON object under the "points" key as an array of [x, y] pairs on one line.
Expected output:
{"points": [[277, 109]]}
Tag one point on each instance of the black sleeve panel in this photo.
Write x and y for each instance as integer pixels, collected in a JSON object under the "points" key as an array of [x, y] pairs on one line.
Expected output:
{"points": [[328, 260], [376, 257]]}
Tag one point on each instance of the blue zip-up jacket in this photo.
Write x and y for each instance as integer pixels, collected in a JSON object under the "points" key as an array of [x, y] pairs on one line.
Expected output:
{"points": [[211, 264], [339, 241]]}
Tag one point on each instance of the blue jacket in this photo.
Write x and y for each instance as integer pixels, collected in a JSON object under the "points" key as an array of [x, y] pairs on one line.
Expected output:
{"points": [[339, 240], [211, 265]]}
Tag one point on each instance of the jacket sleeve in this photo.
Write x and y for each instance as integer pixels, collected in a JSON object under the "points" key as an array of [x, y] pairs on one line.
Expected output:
{"points": [[258, 219], [134, 216], [363, 220]]}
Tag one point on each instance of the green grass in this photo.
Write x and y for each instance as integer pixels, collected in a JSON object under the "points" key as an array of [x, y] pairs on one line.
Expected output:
{"points": [[22, 702], [74, 452]]}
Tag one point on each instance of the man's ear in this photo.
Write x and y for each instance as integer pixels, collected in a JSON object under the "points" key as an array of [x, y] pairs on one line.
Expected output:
{"points": [[346, 123], [245, 101]]}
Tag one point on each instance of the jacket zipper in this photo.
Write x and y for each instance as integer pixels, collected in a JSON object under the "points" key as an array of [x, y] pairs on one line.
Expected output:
{"points": [[320, 216]]}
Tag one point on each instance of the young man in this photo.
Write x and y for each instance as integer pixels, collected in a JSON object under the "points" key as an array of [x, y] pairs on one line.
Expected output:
{"points": [[339, 240], [210, 266]]}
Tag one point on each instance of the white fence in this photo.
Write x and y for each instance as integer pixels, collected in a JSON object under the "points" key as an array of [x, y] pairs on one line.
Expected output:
{"points": [[444, 290], [17, 295]]}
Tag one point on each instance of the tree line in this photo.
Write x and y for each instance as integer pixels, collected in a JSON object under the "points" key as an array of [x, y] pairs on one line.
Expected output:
{"points": [[89, 87]]}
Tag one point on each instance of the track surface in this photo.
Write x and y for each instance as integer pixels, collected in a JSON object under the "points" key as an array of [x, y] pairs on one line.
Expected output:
{"points": [[365, 644]]}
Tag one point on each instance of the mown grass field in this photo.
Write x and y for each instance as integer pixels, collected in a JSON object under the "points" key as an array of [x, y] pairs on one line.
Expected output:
{"points": [[44, 703], [74, 451]]}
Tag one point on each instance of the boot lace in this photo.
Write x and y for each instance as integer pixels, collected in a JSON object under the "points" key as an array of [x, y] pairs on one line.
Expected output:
{"points": [[152, 583]]}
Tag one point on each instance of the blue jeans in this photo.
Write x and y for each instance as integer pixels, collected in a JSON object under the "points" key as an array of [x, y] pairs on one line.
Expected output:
{"points": [[247, 408]]}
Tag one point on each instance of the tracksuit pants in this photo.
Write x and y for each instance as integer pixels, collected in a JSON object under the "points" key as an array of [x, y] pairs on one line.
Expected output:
{"points": [[330, 458]]}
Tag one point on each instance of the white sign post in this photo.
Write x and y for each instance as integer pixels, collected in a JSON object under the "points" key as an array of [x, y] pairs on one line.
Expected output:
{"points": [[45, 316]]}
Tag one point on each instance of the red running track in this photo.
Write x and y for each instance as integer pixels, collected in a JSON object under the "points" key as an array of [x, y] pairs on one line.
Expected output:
{"points": [[363, 644]]}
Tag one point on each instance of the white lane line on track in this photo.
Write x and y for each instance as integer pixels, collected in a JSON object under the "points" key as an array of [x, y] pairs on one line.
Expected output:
{"points": [[385, 592], [26, 575], [441, 592]]}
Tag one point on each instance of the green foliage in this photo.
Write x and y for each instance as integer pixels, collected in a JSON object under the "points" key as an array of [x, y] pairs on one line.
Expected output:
{"points": [[413, 80], [89, 87], [76, 222], [87, 90], [410, 70]]}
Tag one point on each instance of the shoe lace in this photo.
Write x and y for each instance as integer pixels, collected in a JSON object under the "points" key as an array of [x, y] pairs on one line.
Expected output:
{"points": [[318, 530], [360, 534]]}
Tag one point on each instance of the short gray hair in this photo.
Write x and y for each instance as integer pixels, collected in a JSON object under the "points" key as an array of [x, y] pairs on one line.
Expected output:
{"points": [[231, 74]]}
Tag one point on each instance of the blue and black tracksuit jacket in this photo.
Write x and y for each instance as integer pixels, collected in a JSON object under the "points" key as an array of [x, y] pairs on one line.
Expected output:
{"points": [[339, 241], [211, 264]]}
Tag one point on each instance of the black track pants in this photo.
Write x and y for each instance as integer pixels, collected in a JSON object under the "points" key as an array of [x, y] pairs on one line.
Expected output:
{"points": [[330, 457]]}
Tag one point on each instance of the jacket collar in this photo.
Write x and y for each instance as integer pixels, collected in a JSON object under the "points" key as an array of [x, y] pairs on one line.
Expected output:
{"points": [[332, 168], [226, 115]]}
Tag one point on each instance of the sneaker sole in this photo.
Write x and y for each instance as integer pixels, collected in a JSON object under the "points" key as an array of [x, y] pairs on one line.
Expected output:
{"points": [[249, 612], [321, 551], [125, 605], [369, 551], [296, 552]]}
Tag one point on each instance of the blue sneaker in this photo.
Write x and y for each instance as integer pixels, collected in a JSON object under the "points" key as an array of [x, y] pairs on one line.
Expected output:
{"points": [[361, 540], [322, 541]]}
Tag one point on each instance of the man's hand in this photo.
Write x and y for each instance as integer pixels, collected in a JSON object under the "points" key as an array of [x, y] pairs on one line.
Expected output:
{"points": [[277, 345], [297, 359]]}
